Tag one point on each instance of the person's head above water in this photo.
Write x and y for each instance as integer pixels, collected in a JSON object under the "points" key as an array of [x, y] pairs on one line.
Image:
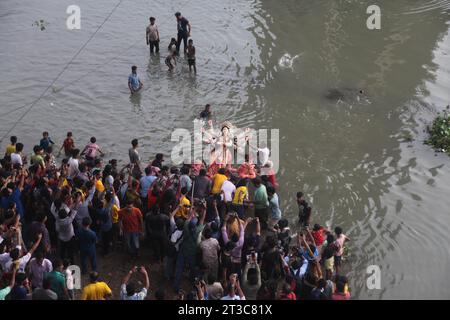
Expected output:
{"points": [[134, 69], [178, 15], [190, 42], [152, 20]]}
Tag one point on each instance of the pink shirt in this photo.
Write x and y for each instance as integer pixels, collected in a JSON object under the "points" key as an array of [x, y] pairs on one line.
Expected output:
{"points": [[91, 150], [339, 242]]}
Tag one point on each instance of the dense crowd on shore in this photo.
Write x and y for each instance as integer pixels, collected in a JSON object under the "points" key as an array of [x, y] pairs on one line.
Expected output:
{"points": [[223, 224], [220, 222]]}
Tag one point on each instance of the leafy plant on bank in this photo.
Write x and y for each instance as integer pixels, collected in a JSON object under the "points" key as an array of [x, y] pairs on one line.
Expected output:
{"points": [[440, 133]]}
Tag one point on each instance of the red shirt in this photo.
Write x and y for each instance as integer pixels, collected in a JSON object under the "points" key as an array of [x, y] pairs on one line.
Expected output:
{"points": [[319, 236], [152, 200], [68, 144], [131, 220]]}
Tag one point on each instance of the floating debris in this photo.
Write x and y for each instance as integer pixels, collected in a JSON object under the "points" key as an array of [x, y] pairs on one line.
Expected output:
{"points": [[287, 61], [41, 24]]}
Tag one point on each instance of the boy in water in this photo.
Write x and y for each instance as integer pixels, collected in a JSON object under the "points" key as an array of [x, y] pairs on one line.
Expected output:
{"points": [[46, 141], [134, 83], [172, 45], [341, 238], [191, 56], [68, 145], [171, 60]]}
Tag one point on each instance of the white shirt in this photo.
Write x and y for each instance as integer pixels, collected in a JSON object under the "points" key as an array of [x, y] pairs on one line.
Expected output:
{"points": [[64, 227], [228, 188], [73, 167], [137, 296], [16, 158], [22, 263]]}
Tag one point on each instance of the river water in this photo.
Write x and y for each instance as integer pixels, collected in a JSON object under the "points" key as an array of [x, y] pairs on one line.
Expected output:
{"points": [[359, 158]]}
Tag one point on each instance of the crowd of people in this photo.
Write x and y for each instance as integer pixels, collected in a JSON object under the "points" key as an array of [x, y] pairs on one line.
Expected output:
{"points": [[217, 231]]}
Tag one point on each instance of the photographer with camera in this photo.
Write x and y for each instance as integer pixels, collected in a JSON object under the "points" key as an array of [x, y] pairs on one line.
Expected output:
{"points": [[193, 228], [251, 277], [128, 290]]}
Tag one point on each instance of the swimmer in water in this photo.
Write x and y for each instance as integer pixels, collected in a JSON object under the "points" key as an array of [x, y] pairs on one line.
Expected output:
{"points": [[172, 45], [171, 60], [287, 61]]}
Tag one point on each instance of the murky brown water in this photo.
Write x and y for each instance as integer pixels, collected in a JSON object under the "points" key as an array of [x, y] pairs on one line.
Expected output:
{"points": [[349, 155]]}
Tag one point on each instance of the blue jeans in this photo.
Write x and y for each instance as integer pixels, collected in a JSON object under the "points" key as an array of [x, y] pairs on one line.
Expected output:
{"points": [[132, 241], [88, 255], [179, 268]]}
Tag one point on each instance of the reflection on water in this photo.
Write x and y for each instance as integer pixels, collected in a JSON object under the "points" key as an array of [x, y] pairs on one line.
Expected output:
{"points": [[294, 65]]}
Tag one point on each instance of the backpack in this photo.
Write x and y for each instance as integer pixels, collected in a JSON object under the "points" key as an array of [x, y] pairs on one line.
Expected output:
{"points": [[171, 248]]}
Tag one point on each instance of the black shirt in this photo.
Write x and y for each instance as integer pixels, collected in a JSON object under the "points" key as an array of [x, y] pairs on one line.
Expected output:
{"points": [[182, 25]]}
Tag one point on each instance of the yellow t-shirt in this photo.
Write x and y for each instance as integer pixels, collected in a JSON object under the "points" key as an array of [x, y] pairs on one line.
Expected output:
{"points": [[65, 183], [183, 212], [99, 186], [239, 195], [115, 214], [10, 149], [218, 180], [96, 291]]}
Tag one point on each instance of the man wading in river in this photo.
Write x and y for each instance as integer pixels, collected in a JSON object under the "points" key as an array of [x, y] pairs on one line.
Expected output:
{"points": [[184, 31], [134, 83], [152, 36]]}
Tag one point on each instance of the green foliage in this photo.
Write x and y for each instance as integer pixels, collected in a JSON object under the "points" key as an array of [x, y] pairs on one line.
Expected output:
{"points": [[440, 133]]}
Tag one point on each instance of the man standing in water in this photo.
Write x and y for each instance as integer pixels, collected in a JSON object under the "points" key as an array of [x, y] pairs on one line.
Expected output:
{"points": [[184, 31], [152, 36], [134, 83]]}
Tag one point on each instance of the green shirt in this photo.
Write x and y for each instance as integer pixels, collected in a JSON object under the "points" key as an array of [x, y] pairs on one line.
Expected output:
{"points": [[191, 239], [4, 292], [261, 199], [37, 159], [58, 283]]}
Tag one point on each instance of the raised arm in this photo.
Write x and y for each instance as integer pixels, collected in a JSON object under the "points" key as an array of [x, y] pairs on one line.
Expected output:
{"points": [[224, 230], [146, 279], [258, 227], [311, 254], [36, 244], [239, 290], [127, 277]]}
